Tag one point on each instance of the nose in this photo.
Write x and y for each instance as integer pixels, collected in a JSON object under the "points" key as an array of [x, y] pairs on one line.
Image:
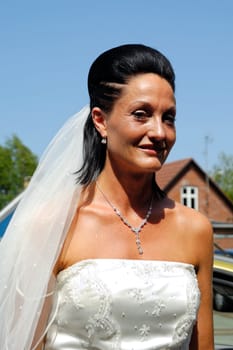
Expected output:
{"points": [[156, 129]]}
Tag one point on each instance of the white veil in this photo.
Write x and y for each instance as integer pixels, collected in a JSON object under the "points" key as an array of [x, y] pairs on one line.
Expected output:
{"points": [[36, 233]]}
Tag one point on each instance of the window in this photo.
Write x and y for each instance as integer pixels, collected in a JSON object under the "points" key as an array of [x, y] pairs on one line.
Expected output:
{"points": [[189, 196]]}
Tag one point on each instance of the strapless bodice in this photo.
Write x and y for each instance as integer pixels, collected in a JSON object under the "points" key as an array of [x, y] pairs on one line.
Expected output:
{"points": [[103, 304]]}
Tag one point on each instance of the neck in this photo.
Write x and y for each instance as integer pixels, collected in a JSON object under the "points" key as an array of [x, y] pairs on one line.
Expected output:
{"points": [[133, 191]]}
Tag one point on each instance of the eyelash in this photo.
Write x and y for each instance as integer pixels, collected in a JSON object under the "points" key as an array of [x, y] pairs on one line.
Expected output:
{"points": [[141, 114], [169, 118]]}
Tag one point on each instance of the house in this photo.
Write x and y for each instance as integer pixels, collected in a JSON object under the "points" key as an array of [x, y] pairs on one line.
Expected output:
{"points": [[186, 182]]}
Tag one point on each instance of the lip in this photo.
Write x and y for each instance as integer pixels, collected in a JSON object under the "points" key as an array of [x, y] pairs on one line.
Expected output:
{"points": [[151, 149]]}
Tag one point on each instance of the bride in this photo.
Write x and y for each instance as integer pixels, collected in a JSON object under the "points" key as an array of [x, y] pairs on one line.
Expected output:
{"points": [[97, 256]]}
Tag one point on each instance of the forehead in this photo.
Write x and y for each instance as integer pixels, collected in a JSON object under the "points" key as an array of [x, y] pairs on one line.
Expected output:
{"points": [[148, 85]]}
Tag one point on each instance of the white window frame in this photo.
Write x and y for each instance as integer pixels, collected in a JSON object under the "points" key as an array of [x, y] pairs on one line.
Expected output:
{"points": [[189, 196]]}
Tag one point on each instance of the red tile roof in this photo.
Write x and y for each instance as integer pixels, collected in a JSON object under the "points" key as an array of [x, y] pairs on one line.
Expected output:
{"points": [[170, 170]]}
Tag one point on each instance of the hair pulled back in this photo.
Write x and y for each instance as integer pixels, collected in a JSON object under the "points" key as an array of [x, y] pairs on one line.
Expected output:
{"points": [[107, 74]]}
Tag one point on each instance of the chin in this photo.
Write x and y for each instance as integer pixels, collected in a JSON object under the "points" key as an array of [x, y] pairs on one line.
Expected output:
{"points": [[160, 161], [154, 167]]}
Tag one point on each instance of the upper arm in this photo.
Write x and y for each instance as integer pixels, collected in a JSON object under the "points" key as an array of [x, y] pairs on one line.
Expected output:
{"points": [[202, 338], [39, 335]]}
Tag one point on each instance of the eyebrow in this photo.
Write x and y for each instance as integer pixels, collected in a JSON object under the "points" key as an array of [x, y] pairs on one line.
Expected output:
{"points": [[172, 109], [149, 105]]}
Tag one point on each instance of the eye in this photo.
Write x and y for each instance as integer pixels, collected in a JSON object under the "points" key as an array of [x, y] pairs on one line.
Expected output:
{"points": [[141, 114], [169, 118]]}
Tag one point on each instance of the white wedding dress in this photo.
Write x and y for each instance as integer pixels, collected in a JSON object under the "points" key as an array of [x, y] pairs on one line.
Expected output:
{"points": [[104, 304]]}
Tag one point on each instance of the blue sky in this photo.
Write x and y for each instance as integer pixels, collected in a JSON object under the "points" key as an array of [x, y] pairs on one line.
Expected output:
{"points": [[47, 47]]}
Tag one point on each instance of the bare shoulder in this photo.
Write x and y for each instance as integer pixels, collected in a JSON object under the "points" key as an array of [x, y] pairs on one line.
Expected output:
{"points": [[194, 233], [192, 220]]}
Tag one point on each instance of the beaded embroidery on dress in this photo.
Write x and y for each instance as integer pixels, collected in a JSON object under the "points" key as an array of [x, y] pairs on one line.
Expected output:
{"points": [[103, 304]]}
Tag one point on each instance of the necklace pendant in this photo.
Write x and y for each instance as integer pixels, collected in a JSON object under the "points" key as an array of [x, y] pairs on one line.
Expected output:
{"points": [[138, 243], [140, 250]]}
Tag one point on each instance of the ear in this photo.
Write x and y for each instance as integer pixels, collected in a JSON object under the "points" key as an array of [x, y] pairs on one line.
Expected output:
{"points": [[99, 120]]}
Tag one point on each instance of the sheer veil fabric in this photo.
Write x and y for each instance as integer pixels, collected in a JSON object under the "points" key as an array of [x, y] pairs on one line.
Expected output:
{"points": [[36, 233]]}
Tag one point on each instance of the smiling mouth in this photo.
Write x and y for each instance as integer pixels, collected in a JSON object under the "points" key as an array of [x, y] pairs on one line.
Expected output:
{"points": [[155, 148]]}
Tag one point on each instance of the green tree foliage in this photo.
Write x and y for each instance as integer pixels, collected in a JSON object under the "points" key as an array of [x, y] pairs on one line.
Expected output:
{"points": [[17, 164], [223, 174]]}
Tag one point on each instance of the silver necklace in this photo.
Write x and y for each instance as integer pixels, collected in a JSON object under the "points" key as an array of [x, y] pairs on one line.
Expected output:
{"points": [[135, 230]]}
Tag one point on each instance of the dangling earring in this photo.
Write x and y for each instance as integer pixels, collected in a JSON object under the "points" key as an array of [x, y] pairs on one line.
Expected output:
{"points": [[104, 140]]}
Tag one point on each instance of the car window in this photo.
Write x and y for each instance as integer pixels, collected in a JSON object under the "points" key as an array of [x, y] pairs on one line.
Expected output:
{"points": [[223, 302]]}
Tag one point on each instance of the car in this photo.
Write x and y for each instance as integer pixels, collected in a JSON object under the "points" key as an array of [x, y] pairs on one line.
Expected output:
{"points": [[223, 301]]}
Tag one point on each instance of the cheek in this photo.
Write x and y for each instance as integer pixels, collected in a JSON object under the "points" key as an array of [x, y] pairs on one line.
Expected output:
{"points": [[171, 138], [123, 132], [174, 137], [116, 138]]}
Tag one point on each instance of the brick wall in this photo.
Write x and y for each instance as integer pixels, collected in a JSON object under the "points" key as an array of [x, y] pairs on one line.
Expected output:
{"points": [[209, 202], [224, 242]]}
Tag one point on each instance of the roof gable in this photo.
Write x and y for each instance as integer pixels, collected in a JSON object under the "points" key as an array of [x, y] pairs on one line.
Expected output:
{"points": [[171, 172]]}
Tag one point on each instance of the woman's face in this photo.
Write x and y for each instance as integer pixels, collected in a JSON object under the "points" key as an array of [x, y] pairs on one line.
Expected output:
{"points": [[140, 129]]}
